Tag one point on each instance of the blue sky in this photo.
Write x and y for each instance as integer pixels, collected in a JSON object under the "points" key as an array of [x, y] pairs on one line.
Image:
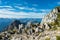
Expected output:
{"points": [[26, 8]]}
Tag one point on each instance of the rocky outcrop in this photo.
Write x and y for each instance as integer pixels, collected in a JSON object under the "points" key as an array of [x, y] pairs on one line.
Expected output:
{"points": [[14, 24], [51, 19]]}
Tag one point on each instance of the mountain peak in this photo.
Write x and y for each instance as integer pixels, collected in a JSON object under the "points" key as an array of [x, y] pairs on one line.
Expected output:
{"points": [[52, 18]]}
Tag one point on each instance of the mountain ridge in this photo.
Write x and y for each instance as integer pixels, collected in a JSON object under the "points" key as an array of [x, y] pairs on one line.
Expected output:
{"points": [[48, 28], [51, 17]]}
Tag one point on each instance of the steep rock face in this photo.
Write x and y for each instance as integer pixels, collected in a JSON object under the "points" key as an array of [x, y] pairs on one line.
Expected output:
{"points": [[52, 19]]}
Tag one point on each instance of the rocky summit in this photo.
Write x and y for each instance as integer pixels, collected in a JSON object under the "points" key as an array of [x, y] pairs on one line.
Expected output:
{"points": [[48, 29]]}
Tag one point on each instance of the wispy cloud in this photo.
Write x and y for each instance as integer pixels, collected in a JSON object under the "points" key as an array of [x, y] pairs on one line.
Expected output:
{"points": [[9, 14], [45, 10], [7, 7], [34, 9], [24, 8], [6, 13]]}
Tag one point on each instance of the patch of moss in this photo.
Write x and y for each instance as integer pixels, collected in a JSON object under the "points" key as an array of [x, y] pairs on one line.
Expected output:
{"points": [[54, 28], [58, 18], [57, 37]]}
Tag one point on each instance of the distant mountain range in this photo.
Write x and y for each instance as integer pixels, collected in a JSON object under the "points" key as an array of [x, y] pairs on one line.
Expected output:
{"points": [[5, 22]]}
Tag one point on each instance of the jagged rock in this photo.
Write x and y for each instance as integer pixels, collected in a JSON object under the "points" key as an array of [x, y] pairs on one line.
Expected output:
{"points": [[14, 24], [51, 18]]}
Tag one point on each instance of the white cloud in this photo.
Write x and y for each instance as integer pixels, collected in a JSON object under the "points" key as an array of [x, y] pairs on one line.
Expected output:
{"points": [[9, 14], [24, 8], [5, 13], [21, 7], [7, 7], [34, 9], [45, 10]]}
